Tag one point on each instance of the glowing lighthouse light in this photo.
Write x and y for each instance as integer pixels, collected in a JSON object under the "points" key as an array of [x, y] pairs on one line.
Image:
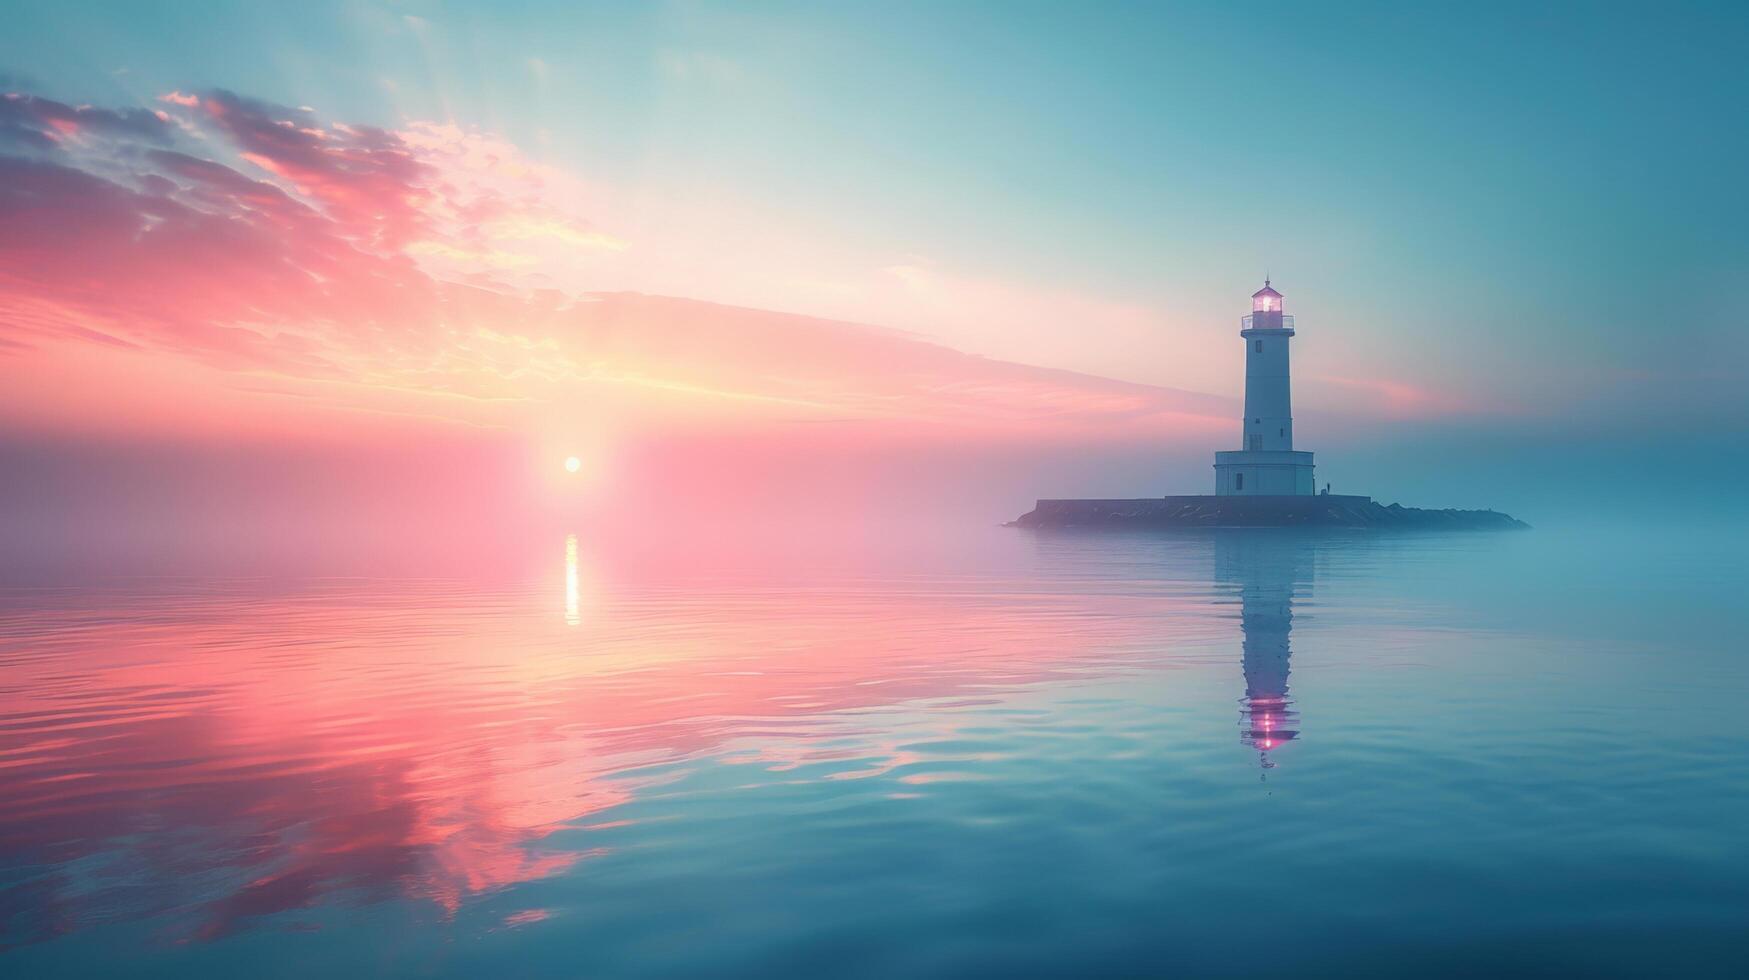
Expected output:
{"points": [[1266, 300], [573, 464]]}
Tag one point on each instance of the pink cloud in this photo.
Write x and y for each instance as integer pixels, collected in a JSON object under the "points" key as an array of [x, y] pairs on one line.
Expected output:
{"points": [[34, 123], [354, 264], [1396, 399], [369, 182]]}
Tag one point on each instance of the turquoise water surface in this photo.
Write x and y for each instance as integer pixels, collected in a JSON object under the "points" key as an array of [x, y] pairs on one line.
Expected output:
{"points": [[1227, 753]]}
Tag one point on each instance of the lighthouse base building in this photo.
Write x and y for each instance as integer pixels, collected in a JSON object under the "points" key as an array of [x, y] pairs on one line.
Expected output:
{"points": [[1263, 473]]}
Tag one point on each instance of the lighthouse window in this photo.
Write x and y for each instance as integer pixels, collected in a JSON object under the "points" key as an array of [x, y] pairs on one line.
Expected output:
{"points": [[1259, 346], [1238, 481]]}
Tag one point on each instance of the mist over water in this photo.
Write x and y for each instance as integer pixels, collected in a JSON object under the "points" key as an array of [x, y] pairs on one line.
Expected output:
{"points": [[1217, 753]]}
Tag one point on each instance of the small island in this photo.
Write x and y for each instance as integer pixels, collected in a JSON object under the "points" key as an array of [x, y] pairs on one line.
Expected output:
{"points": [[1266, 483], [1206, 510]]}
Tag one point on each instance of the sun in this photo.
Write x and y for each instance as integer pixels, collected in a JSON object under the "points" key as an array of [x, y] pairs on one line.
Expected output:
{"points": [[573, 464]]}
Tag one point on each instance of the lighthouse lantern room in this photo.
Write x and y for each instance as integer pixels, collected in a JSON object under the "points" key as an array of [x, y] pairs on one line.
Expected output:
{"points": [[1266, 463]]}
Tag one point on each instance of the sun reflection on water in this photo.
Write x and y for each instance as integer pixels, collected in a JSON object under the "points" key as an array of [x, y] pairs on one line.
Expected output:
{"points": [[573, 615]]}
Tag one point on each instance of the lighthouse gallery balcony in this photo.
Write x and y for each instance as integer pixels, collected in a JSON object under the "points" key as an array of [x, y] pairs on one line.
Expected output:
{"points": [[1287, 321]]}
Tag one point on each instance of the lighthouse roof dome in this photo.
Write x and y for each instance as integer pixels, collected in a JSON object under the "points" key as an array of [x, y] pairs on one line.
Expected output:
{"points": [[1267, 290]]}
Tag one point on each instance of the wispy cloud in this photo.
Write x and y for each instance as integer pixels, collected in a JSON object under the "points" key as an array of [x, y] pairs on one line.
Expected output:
{"points": [[428, 259], [1396, 399]]}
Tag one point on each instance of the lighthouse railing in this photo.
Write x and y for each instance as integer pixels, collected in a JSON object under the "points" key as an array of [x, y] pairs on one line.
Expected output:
{"points": [[1287, 321]]}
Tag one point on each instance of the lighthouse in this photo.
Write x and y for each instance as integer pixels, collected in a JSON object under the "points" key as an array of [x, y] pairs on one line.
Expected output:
{"points": [[1265, 482], [1266, 464]]}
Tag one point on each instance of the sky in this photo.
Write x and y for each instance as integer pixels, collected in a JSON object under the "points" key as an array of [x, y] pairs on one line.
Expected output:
{"points": [[365, 259]]}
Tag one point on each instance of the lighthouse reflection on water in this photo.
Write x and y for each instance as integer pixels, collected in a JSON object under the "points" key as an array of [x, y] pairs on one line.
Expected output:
{"points": [[1270, 569]]}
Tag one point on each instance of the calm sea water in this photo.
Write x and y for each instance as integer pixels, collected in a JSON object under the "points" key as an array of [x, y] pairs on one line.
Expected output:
{"points": [[1240, 753]]}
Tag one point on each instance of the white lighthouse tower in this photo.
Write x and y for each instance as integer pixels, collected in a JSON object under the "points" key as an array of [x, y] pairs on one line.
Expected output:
{"points": [[1267, 464]]}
